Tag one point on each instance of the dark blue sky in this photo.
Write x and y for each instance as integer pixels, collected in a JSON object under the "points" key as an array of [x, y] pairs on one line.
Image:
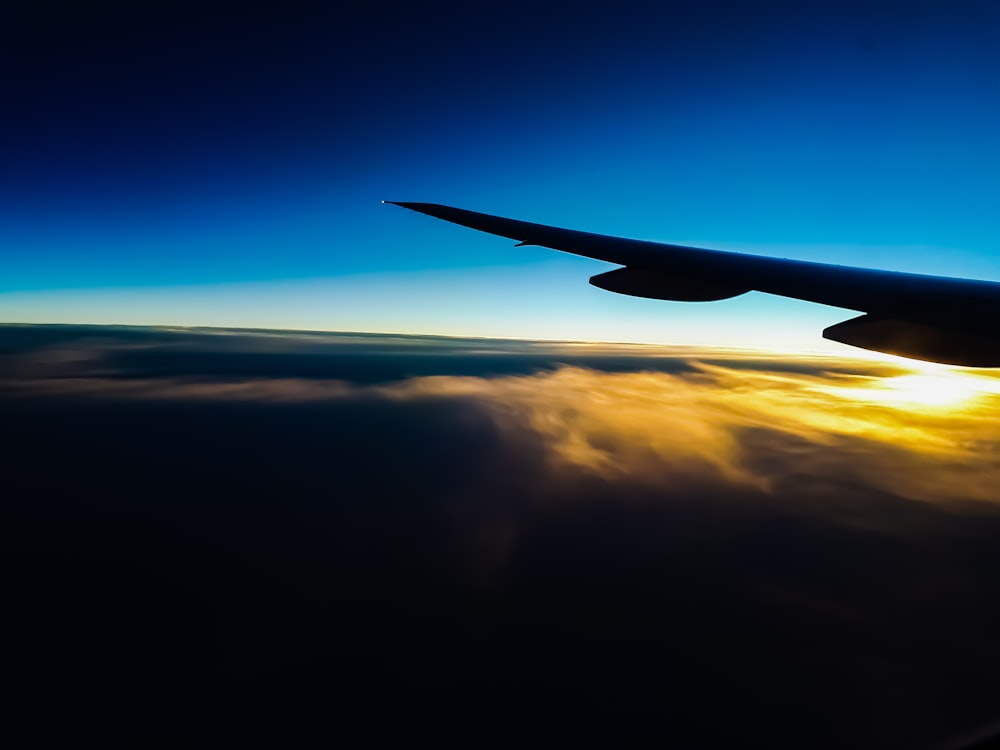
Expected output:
{"points": [[182, 165]]}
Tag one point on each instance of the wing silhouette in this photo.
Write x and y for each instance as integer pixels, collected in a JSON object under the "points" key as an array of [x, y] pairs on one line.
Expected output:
{"points": [[932, 318]]}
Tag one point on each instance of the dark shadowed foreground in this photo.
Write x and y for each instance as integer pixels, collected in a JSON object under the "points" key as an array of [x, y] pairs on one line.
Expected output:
{"points": [[252, 536]]}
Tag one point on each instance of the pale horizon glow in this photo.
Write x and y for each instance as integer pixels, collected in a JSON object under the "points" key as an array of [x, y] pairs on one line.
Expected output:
{"points": [[550, 300]]}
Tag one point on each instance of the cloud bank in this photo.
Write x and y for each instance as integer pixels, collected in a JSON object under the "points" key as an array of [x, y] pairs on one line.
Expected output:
{"points": [[512, 531], [723, 418]]}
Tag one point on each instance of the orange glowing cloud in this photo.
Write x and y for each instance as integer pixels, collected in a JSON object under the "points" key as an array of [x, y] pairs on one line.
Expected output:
{"points": [[767, 424]]}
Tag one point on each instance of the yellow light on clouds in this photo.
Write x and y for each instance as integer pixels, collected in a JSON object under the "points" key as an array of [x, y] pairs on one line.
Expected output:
{"points": [[931, 386]]}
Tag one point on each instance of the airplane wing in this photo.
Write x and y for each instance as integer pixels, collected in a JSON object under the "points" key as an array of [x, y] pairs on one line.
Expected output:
{"points": [[933, 318]]}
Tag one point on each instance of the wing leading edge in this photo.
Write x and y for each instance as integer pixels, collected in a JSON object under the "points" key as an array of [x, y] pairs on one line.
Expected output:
{"points": [[932, 318]]}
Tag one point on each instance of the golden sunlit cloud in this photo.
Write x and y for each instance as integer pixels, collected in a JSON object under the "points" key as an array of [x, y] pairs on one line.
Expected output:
{"points": [[769, 425], [931, 386]]}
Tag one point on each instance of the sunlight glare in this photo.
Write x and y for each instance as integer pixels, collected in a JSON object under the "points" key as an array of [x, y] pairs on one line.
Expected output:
{"points": [[932, 387], [944, 389]]}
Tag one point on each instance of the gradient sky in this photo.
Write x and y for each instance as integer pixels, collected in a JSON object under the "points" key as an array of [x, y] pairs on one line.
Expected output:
{"points": [[175, 165]]}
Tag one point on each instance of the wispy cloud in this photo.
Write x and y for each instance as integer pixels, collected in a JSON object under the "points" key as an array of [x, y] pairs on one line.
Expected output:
{"points": [[717, 510], [774, 424]]}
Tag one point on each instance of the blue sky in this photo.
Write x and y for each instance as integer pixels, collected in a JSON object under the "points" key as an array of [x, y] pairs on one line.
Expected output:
{"points": [[226, 168]]}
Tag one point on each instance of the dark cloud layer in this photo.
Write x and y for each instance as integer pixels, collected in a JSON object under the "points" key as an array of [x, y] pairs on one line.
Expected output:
{"points": [[287, 536]]}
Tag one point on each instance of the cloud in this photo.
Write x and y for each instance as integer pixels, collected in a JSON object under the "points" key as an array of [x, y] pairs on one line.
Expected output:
{"points": [[743, 422], [507, 529]]}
